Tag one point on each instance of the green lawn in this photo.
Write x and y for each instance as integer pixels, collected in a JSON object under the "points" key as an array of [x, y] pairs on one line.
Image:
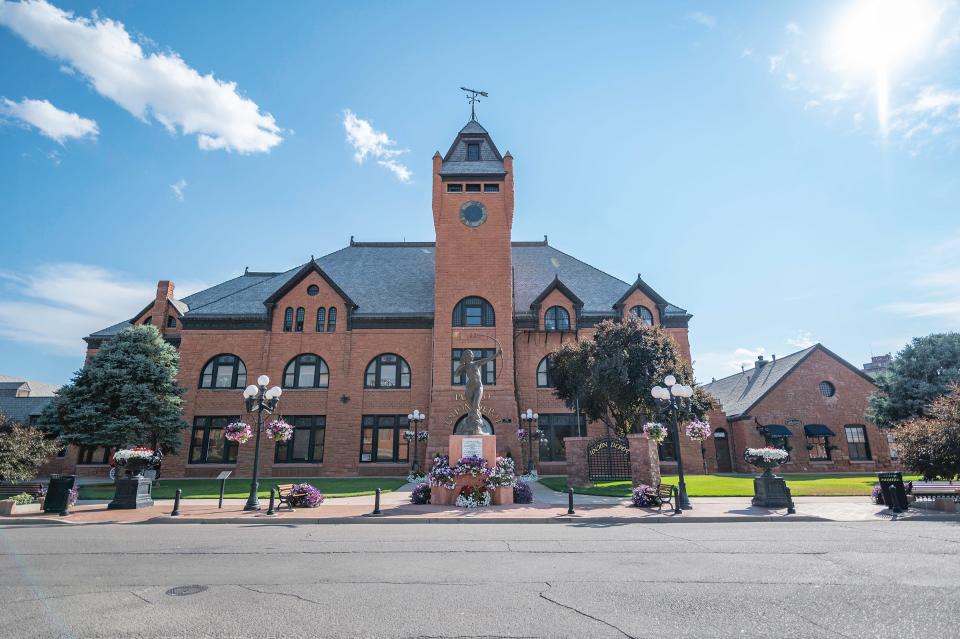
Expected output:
{"points": [[737, 485], [240, 488]]}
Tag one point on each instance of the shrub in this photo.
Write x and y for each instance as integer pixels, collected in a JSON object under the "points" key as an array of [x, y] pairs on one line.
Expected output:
{"points": [[522, 493], [309, 497], [876, 494], [22, 498], [73, 496], [645, 496], [420, 494]]}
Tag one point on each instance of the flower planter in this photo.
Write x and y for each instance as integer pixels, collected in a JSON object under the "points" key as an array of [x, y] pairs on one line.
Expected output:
{"points": [[769, 491], [8, 507], [131, 493]]}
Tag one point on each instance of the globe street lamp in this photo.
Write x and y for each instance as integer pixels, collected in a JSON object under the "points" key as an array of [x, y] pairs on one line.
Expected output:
{"points": [[416, 418], [260, 400], [673, 400], [528, 418]]}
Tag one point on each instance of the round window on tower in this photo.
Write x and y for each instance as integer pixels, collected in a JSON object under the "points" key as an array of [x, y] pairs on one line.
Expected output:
{"points": [[473, 214]]}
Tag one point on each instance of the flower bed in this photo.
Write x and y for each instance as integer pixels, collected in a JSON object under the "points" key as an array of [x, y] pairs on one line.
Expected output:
{"points": [[522, 493], [473, 497], [306, 496], [645, 496], [441, 474], [420, 494], [504, 473]]}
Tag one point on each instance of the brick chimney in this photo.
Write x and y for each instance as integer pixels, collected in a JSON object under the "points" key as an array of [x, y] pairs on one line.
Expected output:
{"points": [[760, 362]]}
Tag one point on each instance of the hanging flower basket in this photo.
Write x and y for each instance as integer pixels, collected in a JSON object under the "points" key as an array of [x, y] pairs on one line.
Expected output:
{"points": [[421, 436], [523, 434], [238, 432], [655, 431], [698, 430], [279, 430]]}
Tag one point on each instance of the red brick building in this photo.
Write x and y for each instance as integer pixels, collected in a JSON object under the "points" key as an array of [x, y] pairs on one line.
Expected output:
{"points": [[362, 336], [813, 402]]}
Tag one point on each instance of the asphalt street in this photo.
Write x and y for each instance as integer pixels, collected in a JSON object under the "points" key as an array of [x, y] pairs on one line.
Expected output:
{"points": [[872, 579]]}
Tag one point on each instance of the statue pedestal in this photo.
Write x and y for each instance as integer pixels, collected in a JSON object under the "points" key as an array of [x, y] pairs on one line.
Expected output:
{"points": [[466, 446]]}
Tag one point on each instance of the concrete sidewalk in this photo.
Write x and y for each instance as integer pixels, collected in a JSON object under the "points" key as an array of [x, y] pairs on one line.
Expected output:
{"points": [[549, 507]]}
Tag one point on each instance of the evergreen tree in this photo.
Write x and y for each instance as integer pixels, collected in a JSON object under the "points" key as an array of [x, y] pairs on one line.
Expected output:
{"points": [[919, 374], [126, 395], [611, 375], [23, 450]]}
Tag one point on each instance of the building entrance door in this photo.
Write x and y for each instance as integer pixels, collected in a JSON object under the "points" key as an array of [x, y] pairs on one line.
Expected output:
{"points": [[722, 444]]}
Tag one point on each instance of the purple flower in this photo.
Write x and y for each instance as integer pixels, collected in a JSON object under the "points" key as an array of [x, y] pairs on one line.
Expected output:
{"points": [[420, 494], [522, 493], [306, 496], [645, 496]]}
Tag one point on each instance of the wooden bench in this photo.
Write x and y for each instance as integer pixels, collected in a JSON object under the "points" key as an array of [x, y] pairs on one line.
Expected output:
{"points": [[665, 492], [285, 494], [11, 490]]}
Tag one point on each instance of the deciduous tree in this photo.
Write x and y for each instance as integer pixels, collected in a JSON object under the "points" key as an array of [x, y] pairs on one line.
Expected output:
{"points": [[930, 445], [23, 450]]}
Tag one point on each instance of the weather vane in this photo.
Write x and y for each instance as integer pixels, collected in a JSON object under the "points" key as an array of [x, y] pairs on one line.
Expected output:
{"points": [[473, 98]]}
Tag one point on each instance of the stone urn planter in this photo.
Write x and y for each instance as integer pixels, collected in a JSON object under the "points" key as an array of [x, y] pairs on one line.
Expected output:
{"points": [[769, 491], [8, 507], [133, 490]]}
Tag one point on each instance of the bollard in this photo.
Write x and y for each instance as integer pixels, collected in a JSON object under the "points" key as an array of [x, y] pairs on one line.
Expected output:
{"points": [[676, 502], [570, 510], [791, 509], [176, 503], [270, 507], [376, 503]]}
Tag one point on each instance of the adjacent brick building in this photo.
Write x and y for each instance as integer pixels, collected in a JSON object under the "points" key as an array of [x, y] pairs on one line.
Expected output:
{"points": [[812, 402], [362, 336]]}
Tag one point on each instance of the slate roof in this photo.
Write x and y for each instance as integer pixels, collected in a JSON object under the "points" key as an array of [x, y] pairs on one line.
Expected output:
{"points": [[455, 161], [37, 389], [738, 393], [20, 409], [396, 279]]}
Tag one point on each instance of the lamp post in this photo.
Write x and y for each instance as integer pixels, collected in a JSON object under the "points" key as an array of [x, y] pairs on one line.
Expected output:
{"points": [[416, 418], [670, 402], [528, 418], [260, 400]]}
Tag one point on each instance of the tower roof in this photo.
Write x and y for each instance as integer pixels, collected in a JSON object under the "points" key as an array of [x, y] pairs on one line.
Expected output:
{"points": [[487, 162]]}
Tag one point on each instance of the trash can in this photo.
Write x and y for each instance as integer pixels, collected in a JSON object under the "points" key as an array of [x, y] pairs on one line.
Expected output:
{"points": [[58, 494]]}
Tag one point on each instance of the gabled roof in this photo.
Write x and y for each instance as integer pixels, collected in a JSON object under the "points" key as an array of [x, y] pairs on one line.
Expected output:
{"points": [[455, 161], [396, 280], [307, 269], [37, 389], [556, 285], [739, 393]]}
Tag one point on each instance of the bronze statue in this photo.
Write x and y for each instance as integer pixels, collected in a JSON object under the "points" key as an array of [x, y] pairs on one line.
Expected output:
{"points": [[473, 373]]}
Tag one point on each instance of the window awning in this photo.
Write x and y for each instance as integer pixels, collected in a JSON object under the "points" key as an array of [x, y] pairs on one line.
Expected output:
{"points": [[818, 430], [778, 430]]}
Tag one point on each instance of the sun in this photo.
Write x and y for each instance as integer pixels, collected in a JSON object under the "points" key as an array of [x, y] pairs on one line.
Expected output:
{"points": [[878, 37]]}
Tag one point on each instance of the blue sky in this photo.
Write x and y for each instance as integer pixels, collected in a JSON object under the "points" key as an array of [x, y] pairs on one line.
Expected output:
{"points": [[785, 171]]}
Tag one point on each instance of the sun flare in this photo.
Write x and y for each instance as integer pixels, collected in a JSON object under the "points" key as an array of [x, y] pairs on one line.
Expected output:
{"points": [[878, 37]]}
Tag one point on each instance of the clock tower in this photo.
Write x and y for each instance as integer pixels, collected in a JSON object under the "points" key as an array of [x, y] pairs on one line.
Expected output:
{"points": [[473, 289]]}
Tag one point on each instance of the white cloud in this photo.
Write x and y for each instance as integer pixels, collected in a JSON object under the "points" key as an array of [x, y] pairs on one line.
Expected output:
{"points": [[56, 305], [56, 124], [936, 288], [803, 339], [368, 142], [746, 53], [723, 363], [177, 188], [775, 62], [793, 28], [158, 86], [703, 19]]}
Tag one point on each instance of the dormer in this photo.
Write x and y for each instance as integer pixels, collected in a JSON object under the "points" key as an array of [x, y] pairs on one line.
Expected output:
{"points": [[557, 308]]}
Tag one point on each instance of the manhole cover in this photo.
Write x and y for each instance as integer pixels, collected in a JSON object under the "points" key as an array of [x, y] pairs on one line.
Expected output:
{"points": [[182, 591]]}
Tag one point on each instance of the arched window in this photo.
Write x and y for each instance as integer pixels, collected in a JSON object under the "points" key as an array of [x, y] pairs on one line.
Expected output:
{"points": [[306, 371], [301, 315], [543, 373], [321, 319], [556, 319], [387, 371], [224, 371], [473, 311], [643, 314], [288, 320], [332, 319]]}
